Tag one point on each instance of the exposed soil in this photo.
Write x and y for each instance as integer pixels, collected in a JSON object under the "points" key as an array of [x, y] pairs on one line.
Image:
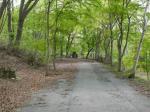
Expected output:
{"points": [[15, 92]]}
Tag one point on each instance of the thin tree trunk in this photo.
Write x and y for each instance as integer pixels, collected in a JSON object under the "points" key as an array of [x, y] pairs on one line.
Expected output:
{"points": [[61, 46], [67, 45], [127, 36], [3, 20], [144, 28], [111, 34], [107, 50], [147, 64], [119, 43], [120, 54], [54, 47], [119, 63], [97, 51], [54, 37], [10, 29], [111, 51], [47, 39], [3, 7], [87, 56]]}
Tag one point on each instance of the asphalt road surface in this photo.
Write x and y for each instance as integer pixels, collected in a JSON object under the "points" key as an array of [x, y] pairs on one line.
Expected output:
{"points": [[94, 89]]}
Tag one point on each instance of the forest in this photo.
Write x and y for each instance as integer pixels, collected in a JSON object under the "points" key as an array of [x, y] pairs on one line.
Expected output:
{"points": [[115, 33], [112, 32]]}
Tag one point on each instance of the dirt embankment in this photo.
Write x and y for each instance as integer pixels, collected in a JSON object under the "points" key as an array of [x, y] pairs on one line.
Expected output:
{"points": [[13, 93]]}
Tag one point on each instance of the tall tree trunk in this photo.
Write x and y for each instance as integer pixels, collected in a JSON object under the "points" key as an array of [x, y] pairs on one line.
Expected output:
{"points": [[89, 51], [47, 39], [68, 44], [3, 7], [107, 50], [61, 46], [2, 14], [144, 28], [97, 50], [19, 32], [2, 21], [10, 27], [120, 53], [121, 48], [119, 43], [119, 62], [54, 48], [111, 34], [111, 51], [111, 39], [24, 10], [54, 36], [20, 24]]}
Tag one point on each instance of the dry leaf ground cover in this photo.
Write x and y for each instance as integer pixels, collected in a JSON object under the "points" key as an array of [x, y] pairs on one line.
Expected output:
{"points": [[14, 93], [141, 85]]}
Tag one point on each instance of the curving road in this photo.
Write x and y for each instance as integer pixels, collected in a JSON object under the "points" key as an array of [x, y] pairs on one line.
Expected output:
{"points": [[95, 89]]}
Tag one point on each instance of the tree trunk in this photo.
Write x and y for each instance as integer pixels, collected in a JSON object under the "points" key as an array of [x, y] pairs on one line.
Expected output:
{"points": [[24, 10], [2, 21], [67, 45], [111, 40], [111, 33], [119, 63], [147, 64], [87, 56], [97, 50], [111, 51], [54, 37], [47, 39], [19, 32], [144, 28], [54, 47], [3, 7], [119, 57], [107, 51], [2, 14], [61, 46], [10, 29], [119, 43]]}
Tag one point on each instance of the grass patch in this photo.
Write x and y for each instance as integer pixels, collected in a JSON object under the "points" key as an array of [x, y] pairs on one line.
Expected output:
{"points": [[140, 83], [113, 69]]}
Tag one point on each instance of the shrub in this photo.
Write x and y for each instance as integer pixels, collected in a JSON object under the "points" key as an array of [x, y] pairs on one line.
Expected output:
{"points": [[7, 73]]}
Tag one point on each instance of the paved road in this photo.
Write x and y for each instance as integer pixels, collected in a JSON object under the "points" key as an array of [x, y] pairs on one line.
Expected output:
{"points": [[95, 89]]}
